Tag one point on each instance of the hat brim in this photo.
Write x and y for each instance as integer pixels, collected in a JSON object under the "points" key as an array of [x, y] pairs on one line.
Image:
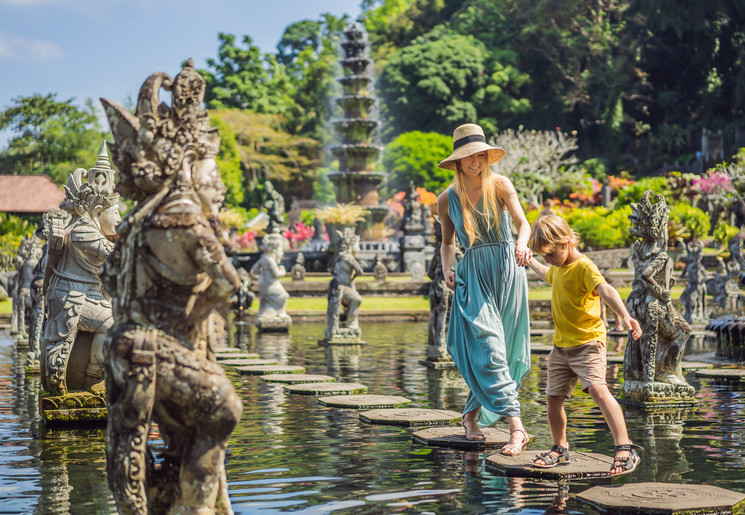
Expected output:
{"points": [[493, 154]]}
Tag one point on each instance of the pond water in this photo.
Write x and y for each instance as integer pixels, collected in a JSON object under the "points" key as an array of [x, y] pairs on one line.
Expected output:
{"points": [[291, 454]]}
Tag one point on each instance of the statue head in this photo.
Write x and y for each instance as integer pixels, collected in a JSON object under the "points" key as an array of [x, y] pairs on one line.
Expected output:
{"points": [[273, 243], [159, 147], [649, 221], [349, 241]]}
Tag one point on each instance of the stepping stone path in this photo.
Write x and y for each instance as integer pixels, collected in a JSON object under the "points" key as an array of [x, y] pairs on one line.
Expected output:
{"points": [[409, 417], [663, 498], [242, 362], [298, 378], [236, 355], [260, 370], [613, 358], [455, 438], [227, 350], [723, 373], [540, 348], [581, 465], [438, 365], [326, 388], [364, 401], [695, 365]]}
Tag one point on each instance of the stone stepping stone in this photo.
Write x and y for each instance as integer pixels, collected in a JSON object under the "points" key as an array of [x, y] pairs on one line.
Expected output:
{"points": [[582, 465], [238, 362], [723, 373], [364, 401], [455, 438], [437, 365], [226, 350], [260, 370], [613, 358], [236, 355], [297, 378], [409, 417], [662, 498], [540, 348], [695, 365], [326, 388]]}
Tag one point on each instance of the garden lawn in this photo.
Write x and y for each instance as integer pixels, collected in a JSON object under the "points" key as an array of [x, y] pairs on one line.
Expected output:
{"points": [[6, 306]]}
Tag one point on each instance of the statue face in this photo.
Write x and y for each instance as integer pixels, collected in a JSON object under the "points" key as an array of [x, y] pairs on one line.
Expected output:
{"points": [[109, 219], [209, 187]]}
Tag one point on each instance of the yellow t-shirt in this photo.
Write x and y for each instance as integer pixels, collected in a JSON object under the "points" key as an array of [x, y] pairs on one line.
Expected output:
{"points": [[574, 305]]}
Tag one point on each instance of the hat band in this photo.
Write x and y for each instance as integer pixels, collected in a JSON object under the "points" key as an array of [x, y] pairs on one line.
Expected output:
{"points": [[468, 139]]}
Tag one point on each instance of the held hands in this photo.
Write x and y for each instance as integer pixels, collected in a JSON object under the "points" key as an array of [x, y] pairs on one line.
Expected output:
{"points": [[450, 279], [634, 326], [523, 255]]}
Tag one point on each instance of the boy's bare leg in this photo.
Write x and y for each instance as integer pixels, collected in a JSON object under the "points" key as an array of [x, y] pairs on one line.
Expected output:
{"points": [[557, 422], [613, 415]]}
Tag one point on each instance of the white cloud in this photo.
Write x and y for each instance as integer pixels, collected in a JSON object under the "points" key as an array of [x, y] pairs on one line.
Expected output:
{"points": [[14, 47]]}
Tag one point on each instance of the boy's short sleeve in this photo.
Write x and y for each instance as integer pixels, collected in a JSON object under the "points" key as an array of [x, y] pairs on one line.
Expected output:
{"points": [[592, 276], [550, 275]]}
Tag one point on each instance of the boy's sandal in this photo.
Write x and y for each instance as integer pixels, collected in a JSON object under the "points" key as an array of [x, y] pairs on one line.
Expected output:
{"points": [[556, 455], [473, 436], [629, 463], [514, 450]]}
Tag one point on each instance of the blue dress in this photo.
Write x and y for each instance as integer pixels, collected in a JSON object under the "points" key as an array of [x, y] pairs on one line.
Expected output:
{"points": [[488, 331]]}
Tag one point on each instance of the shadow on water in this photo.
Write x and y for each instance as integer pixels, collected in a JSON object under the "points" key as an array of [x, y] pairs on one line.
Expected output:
{"points": [[290, 454]]}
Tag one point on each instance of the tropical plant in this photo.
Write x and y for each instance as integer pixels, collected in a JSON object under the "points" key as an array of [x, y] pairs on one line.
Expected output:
{"points": [[342, 214], [725, 232], [633, 192], [413, 157], [695, 220]]}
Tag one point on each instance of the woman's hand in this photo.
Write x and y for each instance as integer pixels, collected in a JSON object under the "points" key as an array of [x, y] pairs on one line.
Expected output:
{"points": [[523, 255], [450, 279]]}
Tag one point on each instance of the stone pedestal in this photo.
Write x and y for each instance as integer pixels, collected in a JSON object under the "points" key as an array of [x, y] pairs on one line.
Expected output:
{"points": [[72, 409], [652, 395]]}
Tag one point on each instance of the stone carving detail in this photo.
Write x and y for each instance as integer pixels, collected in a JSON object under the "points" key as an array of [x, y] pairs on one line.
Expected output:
{"points": [[297, 272], [652, 369], [694, 295], [273, 297], [275, 208], [52, 218], [440, 297], [380, 271], [79, 314], [29, 253], [166, 275], [343, 299]]}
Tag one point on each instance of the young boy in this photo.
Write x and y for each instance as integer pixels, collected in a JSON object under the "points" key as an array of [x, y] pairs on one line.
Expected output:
{"points": [[579, 339]]}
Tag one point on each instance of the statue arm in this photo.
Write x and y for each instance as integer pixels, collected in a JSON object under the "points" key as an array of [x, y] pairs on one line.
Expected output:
{"points": [[657, 289]]}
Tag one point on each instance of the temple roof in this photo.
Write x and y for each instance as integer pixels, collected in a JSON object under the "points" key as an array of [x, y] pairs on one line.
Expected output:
{"points": [[29, 194]]}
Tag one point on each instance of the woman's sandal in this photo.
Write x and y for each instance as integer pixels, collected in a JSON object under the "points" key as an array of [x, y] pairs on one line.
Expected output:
{"points": [[629, 463], [473, 436], [516, 450], [556, 455]]}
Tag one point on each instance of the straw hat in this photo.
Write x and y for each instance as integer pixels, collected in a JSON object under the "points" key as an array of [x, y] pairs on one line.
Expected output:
{"points": [[469, 139]]}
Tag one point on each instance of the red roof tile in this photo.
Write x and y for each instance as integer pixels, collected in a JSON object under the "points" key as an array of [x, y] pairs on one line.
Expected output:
{"points": [[29, 194]]}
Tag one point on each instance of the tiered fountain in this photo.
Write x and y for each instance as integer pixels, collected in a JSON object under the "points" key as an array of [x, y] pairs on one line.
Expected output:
{"points": [[357, 181]]}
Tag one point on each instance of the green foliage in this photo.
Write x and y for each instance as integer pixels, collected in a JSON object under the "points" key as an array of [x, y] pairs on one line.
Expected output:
{"points": [[694, 219], [599, 228], [49, 137], [12, 230], [413, 156], [634, 191], [229, 161], [323, 189], [724, 232]]}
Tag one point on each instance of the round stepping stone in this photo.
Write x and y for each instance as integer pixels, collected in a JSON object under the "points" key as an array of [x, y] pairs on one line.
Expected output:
{"points": [[694, 365], [437, 365], [297, 378], [364, 401], [455, 437], [539, 348], [409, 417], [723, 373], [260, 370], [613, 358], [226, 350], [662, 498], [326, 388], [242, 362], [236, 355], [581, 465]]}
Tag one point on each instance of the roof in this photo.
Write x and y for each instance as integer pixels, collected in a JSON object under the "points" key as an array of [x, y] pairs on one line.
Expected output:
{"points": [[29, 194]]}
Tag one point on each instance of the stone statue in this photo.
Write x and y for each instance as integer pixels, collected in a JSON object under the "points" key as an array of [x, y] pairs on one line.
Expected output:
{"points": [[166, 275], [51, 218], [380, 271], [244, 297], [272, 314], [29, 253], [652, 369], [694, 295], [297, 272], [275, 207], [79, 314], [439, 304], [343, 299], [412, 209]]}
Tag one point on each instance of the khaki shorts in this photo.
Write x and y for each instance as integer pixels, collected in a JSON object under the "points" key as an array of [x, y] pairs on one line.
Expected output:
{"points": [[566, 365]]}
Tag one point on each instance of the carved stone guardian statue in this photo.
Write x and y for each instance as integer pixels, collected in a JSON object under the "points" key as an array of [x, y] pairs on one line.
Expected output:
{"points": [[439, 305], [380, 271], [342, 326], [694, 295], [652, 372], [79, 313], [166, 274], [297, 272], [29, 253], [272, 314]]}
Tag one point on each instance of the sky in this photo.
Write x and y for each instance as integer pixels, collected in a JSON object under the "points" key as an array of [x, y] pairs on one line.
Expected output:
{"points": [[107, 48]]}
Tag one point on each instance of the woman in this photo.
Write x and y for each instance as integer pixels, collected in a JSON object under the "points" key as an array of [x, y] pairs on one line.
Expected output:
{"points": [[488, 333]]}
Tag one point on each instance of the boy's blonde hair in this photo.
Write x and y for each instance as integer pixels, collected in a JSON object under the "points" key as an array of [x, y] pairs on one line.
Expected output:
{"points": [[551, 231]]}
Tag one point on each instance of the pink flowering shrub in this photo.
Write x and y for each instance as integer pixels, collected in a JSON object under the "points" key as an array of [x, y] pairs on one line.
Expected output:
{"points": [[299, 233], [713, 182], [247, 241]]}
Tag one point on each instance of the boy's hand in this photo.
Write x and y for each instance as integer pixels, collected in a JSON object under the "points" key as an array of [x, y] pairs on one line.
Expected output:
{"points": [[523, 255], [635, 327]]}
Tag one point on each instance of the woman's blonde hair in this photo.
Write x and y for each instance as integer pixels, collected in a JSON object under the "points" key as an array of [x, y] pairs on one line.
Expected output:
{"points": [[551, 231], [489, 188]]}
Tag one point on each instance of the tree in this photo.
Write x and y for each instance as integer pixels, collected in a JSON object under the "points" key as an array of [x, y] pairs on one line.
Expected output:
{"points": [[413, 156], [229, 162], [51, 137]]}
